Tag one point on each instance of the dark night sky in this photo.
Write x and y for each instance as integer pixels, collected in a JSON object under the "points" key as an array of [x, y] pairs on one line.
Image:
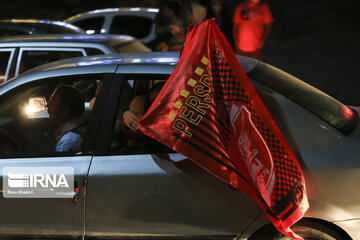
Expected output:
{"points": [[315, 40]]}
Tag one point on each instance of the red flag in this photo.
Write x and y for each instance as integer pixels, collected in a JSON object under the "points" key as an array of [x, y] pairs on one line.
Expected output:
{"points": [[209, 111]]}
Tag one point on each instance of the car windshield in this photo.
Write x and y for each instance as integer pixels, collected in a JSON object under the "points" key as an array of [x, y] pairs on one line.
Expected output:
{"points": [[322, 105]]}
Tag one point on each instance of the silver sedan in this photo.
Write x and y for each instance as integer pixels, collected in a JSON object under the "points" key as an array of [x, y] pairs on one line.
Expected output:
{"points": [[127, 186]]}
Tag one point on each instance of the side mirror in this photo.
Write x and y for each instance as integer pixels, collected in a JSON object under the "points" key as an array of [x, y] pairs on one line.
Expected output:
{"points": [[35, 105]]}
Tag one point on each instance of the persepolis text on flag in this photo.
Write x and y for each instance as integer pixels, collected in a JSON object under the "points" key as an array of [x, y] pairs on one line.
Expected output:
{"points": [[209, 111]]}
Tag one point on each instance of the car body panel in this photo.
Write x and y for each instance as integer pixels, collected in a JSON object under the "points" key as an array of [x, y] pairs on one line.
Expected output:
{"points": [[205, 209], [351, 227], [43, 215]]}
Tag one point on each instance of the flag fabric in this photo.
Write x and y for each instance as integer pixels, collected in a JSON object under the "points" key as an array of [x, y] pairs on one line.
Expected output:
{"points": [[209, 111]]}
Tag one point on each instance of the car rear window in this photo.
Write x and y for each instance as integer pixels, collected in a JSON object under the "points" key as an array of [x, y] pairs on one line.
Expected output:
{"points": [[319, 103], [138, 27]]}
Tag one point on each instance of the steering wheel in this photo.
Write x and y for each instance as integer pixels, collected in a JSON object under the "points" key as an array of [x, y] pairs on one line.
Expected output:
{"points": [[8, 144]]}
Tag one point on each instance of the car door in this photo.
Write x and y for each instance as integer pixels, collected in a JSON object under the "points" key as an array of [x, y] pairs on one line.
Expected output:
{"points": [[30, 147], [134, 189]]}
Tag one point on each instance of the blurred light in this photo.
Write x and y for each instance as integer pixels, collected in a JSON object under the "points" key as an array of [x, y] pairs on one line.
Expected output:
{"points": [[104, 10], [134, 9], [103, 30], [165, 59], [35, 105], [29, 110], [95, 62], [152, 10], [62, 24], [348, 114], [97, 11], [90, 31], [136, 60]]}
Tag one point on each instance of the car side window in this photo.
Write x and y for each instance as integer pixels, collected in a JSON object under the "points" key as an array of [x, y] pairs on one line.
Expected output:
{"points": [[35, 57], [91, 25], [5, 60], [138, 27], [93, 51], [25, 124], [136, 97]]}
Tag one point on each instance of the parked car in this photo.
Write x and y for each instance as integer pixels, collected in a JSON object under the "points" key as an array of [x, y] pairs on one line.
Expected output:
{"points": [[20, 53], [153, 193], [11, 27], [136, 22]]}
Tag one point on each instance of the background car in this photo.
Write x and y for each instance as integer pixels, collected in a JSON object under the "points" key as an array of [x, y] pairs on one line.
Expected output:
{"points": [[151, 192], [20, 53], [136, 22], [11, 27]]}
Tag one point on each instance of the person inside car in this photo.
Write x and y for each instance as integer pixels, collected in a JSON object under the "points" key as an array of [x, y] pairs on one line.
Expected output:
{"points": [[131, 117], [139, 106], [65, 109]]}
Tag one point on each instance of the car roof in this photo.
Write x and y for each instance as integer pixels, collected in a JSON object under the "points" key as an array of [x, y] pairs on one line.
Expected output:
{"points": [[47, 25], [115, 10], [106, 64], [76, 38], [136, 58]]}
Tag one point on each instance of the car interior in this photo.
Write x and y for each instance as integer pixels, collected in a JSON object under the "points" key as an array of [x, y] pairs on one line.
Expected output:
{"points": [[24, 126], [136, 95]]}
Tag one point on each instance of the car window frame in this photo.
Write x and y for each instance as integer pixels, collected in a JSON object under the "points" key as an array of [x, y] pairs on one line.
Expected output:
{"points": [[43, 49], [10, 60], [92, 124], [104, 138]]}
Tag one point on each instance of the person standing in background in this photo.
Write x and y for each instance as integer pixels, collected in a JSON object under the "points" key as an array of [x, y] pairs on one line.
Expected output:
{"points": [[196, 13], [171, 31], [252, 25], [223, 19]]}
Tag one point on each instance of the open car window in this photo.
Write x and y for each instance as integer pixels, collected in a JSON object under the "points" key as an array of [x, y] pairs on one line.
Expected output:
{"points": [[25, 129], [137, 94]]}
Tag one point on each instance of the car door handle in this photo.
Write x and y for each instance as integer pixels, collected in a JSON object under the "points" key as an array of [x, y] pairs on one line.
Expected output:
{"points": [[78, 191]]}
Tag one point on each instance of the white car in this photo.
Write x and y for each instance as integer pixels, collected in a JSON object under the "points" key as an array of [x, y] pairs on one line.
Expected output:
{"points": [[21, 53], [136, 22]]}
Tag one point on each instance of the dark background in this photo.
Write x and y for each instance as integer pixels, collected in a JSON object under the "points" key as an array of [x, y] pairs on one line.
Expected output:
{"points": [[315, 40]]}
